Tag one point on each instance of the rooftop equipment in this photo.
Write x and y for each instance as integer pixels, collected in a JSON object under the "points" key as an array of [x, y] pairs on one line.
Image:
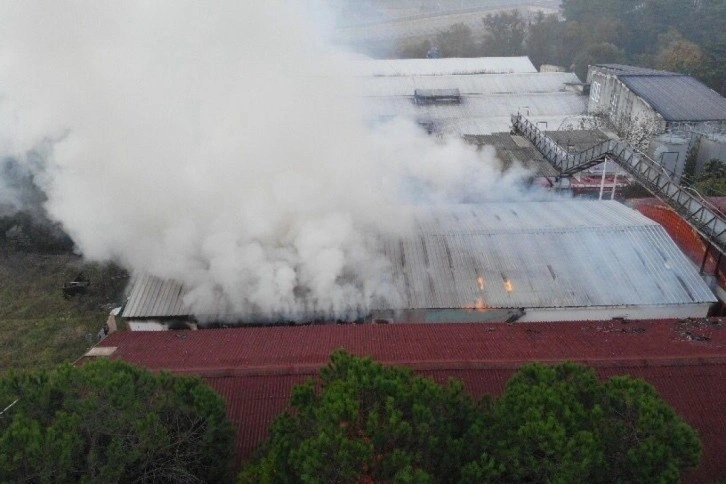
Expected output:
{"points": [[437, 96]]}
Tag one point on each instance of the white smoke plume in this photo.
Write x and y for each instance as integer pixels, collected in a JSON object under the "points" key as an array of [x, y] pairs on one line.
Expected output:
{"points": [[217, 144]]}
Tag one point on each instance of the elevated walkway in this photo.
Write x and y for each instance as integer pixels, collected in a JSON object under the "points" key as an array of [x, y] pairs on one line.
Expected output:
{"points": [[695, 210]]}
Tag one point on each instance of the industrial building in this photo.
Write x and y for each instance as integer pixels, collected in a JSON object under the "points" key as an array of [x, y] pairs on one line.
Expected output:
{"points": [[468, 97], [542, 261], [507, 261], [524, 261], [674, 113], [483, 288]]}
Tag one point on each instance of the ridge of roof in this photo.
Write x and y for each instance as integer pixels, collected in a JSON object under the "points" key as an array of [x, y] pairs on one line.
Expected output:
{"points": [[626, 70]]}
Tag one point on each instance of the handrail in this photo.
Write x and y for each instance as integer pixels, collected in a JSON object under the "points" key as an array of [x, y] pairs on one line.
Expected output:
{"points": [[702, 216]]}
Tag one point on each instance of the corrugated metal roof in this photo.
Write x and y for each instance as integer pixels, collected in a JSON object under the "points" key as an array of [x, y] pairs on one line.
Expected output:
{"points": [[507, 217], [541, 255], [515, 255], [483, 106], [487, 100], [152, 297], [254, 369], [480, 114], [678, 98], [469, 84], [437, 67]]}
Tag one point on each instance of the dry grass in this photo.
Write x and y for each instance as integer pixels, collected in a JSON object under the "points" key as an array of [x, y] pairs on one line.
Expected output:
{"points": [[38, 327]]}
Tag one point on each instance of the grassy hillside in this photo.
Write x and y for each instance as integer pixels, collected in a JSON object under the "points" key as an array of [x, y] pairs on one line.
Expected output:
{"points": [[38, 327]]}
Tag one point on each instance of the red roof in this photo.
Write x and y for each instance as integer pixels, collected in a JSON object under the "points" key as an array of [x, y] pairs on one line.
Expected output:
{"points": [[254, 369], [685, 236]]}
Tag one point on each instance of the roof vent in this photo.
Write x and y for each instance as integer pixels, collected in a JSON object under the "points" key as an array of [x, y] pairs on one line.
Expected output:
{"points": [[437, 96]]}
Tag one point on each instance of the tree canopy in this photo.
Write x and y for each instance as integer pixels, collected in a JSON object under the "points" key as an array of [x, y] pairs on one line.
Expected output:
{"points": [[712, 181], [456, 41], [369, 423], [687, 37], [504, 34], [366, 422], [561, 424], [111, 422]]}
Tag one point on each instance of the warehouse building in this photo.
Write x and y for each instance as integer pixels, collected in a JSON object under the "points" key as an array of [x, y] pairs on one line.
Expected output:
{"points": [[573, 280], [468, 96], [542, 261], [505, 261], [674, 114]]}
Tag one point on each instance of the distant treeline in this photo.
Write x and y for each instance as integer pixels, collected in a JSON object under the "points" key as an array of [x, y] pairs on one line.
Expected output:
{"points": [[686, 36]]}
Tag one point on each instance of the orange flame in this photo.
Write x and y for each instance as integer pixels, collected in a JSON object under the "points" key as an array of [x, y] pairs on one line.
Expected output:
{"points": [[480, 281], [508, 286]]}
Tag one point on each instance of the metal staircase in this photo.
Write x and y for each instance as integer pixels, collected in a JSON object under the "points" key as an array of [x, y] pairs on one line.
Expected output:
{"points": [[695, 210]]}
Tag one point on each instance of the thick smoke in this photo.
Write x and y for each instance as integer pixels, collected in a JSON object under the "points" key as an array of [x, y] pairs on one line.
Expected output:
{"points": [[219, 145], [17, 189]]}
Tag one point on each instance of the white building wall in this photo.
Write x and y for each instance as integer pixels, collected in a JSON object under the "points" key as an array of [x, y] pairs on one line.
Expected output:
{"points": [[542, 315], [671, 152], [146, 326], [610, 98], [606, 313], [710, 148]]}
